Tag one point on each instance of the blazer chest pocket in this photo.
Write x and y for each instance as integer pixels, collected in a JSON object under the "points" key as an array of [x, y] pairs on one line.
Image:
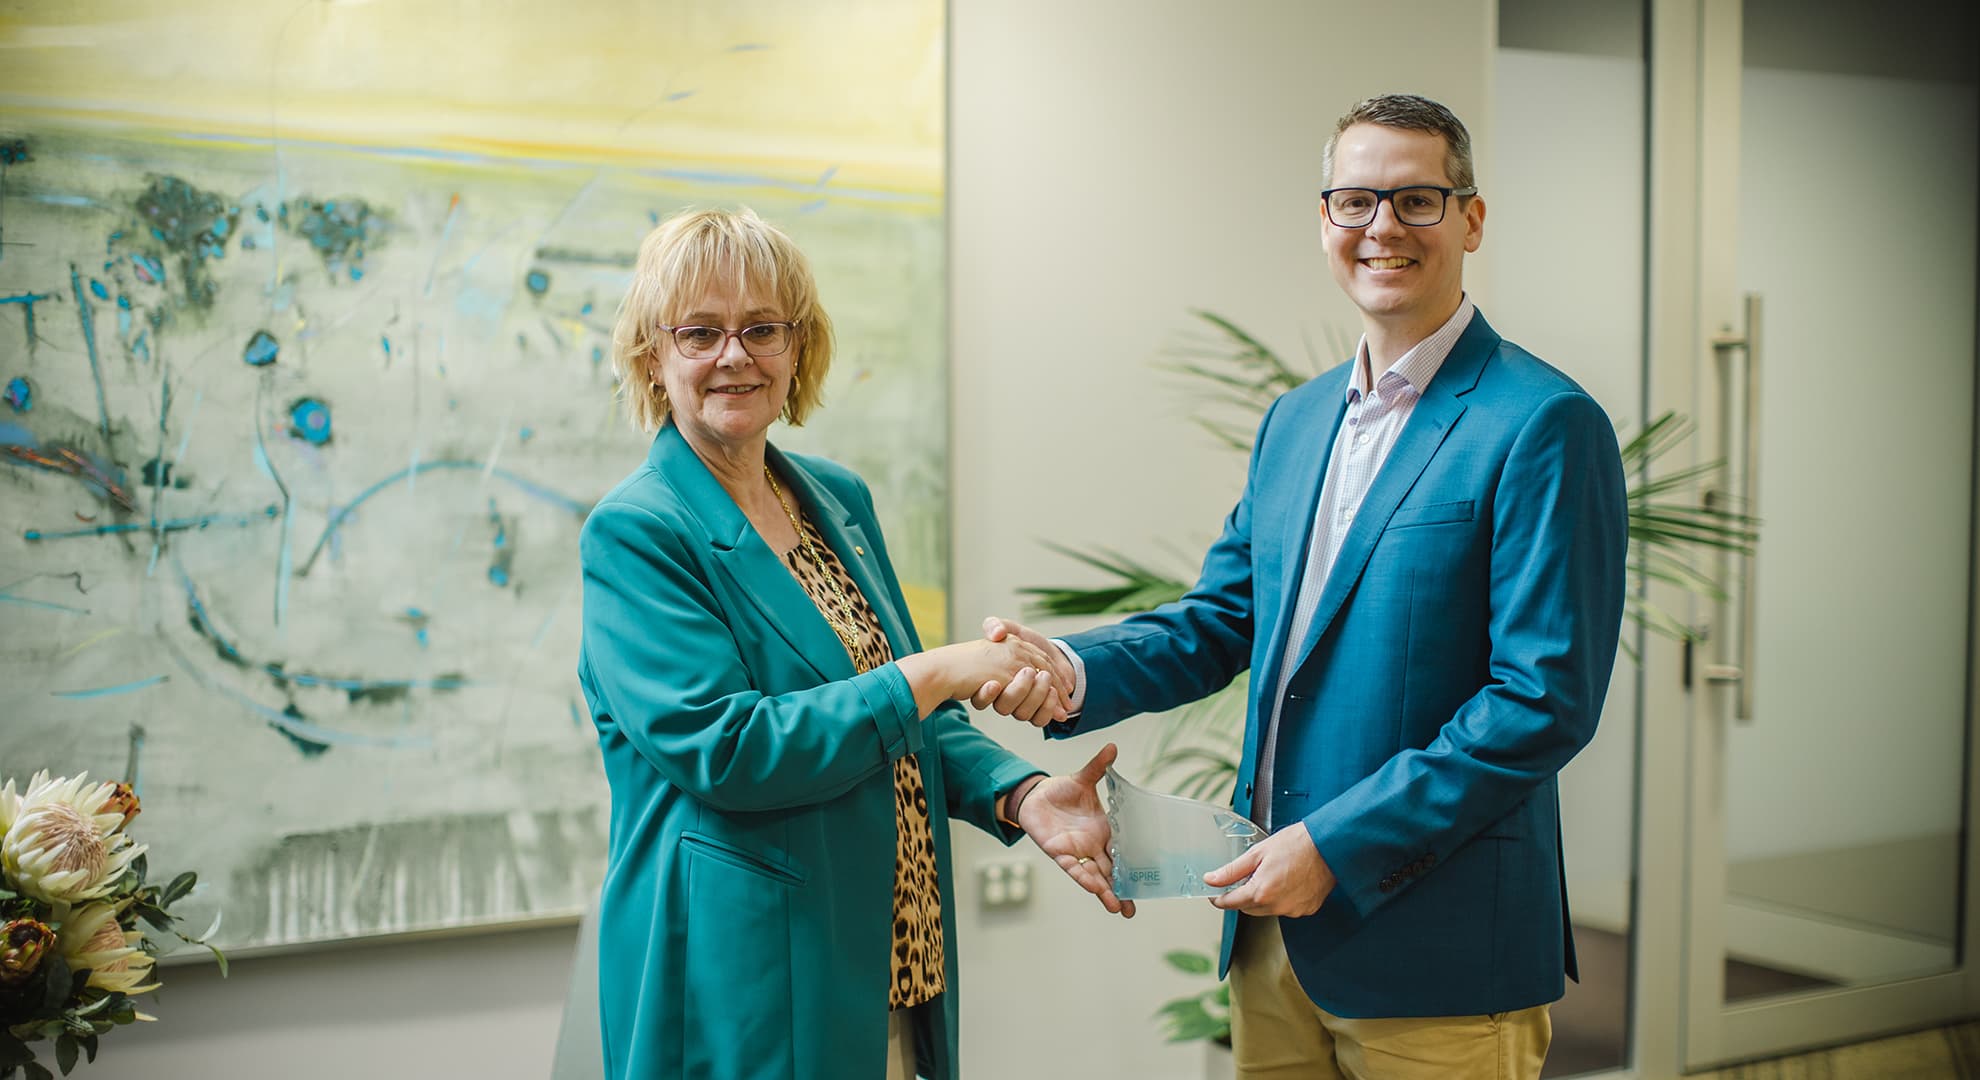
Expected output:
{"points": [[1440, 513]]}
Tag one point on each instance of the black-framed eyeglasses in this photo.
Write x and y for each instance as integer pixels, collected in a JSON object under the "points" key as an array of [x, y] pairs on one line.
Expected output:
{"points": [[1421, 205], [707, 342]]}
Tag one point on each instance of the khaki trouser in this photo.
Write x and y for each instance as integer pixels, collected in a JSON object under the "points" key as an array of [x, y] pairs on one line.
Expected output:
{"points": [[1278, 1033], [900, 1044]]}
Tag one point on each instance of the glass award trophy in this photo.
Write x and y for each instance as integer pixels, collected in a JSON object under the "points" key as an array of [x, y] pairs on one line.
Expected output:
{"points": [[1164, 844]]}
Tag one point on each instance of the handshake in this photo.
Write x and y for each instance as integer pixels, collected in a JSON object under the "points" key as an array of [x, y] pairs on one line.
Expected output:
{"points": [[1031, 678]]}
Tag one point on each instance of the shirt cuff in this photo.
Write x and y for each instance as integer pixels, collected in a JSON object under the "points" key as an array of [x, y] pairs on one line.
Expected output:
{"points": [[1077, 700]]}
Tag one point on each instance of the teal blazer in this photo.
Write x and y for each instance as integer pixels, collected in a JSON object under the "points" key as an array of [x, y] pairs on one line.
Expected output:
{"points": [[1459, 657], [745, 920]]}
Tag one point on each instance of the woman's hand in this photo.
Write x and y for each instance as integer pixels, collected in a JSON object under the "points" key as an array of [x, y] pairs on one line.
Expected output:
{"points": [[962, 669], [1067, 819]]}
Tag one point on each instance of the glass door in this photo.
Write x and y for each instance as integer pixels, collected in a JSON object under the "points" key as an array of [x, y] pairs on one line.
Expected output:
{"points": [[1836, 379]]}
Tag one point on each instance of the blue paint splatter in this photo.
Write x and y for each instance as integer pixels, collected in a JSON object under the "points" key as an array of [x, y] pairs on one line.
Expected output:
{"points": [[149, 270], [537, 281], [679, 95], [158, 474], [597, 355], [96, 287], [387, 343], [586, 309], [309, 420], [111, 691], [14, 152], [526, 434], [337, 520], [418, 619], [27, 302], [89, 339], [175, 525], [261, 349], [9, 598], [505, 556], [183, 218], [20, 393], [339, 229]]}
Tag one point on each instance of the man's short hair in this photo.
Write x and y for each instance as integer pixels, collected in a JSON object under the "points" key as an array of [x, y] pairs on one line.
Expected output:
{"points": [[1408, 112]]}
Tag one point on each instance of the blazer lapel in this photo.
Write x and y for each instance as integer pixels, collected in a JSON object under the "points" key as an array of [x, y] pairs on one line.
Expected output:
{"points": [[1436, 413], [754, 571], [848, 536]]}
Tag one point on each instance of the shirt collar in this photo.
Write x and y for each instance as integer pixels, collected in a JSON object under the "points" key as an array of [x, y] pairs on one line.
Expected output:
{"points": [[1419, 365]]}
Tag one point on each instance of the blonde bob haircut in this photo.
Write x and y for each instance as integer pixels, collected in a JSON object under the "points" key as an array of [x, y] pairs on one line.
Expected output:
{"points": [[691, 255]]}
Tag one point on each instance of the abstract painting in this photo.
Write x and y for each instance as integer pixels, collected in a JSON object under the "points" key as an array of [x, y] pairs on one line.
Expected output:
{"points": [[305, 313]]}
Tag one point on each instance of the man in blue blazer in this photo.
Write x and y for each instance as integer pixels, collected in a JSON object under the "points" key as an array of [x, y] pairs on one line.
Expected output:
{"points": [[1425, 577]]}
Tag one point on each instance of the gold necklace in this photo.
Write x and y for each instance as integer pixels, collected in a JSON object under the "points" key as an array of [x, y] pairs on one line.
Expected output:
{"points": [[848, 631]]}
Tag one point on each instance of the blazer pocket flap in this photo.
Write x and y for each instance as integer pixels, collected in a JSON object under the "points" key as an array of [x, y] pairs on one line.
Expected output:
{"points": [[1442, 513], [742, 858]]}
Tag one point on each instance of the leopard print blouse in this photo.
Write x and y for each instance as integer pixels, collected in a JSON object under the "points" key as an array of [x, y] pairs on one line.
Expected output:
{"points": [[918, 967]]}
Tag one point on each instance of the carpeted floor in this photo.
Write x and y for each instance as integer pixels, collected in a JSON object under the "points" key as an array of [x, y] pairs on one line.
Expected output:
{"points": [[1949, 1053]]}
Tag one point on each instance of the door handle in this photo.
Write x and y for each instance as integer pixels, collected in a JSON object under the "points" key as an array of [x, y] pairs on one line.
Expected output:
{"points": [[1741, 452]]}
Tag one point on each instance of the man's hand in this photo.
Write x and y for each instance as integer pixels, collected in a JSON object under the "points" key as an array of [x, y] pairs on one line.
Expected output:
{"points": [[1025, 697], [1064, 816], [1288, 876]]}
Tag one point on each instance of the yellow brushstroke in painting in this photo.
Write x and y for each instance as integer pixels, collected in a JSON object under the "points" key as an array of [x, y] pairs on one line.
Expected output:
{"points": [[93, 639], [778, 88]]}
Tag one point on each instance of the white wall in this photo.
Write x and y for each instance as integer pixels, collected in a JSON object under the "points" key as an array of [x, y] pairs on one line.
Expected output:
{"points": [[1114, 163]]}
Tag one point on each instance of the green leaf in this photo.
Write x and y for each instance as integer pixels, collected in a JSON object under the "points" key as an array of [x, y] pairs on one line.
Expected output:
{"points": [[34, 1070], [1188, 961], [160, 920], [55, 971], [1186, 1019], [177, 890], [89, 1049], [67, 1050]]}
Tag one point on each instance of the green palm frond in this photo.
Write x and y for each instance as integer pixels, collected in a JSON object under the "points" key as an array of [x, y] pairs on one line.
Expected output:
{"points": [[1243, 374], [1203, 741], [1134, 586]]}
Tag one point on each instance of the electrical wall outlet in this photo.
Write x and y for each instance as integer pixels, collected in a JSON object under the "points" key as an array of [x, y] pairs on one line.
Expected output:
{"points": [[1004, 884]]}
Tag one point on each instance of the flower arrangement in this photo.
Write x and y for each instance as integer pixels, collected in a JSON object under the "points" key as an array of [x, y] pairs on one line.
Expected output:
{"points": [[73, 957]]}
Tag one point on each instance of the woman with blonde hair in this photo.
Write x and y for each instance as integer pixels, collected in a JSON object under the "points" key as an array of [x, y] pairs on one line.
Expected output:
{"points": [[784, 757]]}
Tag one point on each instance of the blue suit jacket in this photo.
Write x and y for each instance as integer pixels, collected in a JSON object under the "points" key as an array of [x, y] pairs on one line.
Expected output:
{"points": [[745, 923], [1459, 658]]}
